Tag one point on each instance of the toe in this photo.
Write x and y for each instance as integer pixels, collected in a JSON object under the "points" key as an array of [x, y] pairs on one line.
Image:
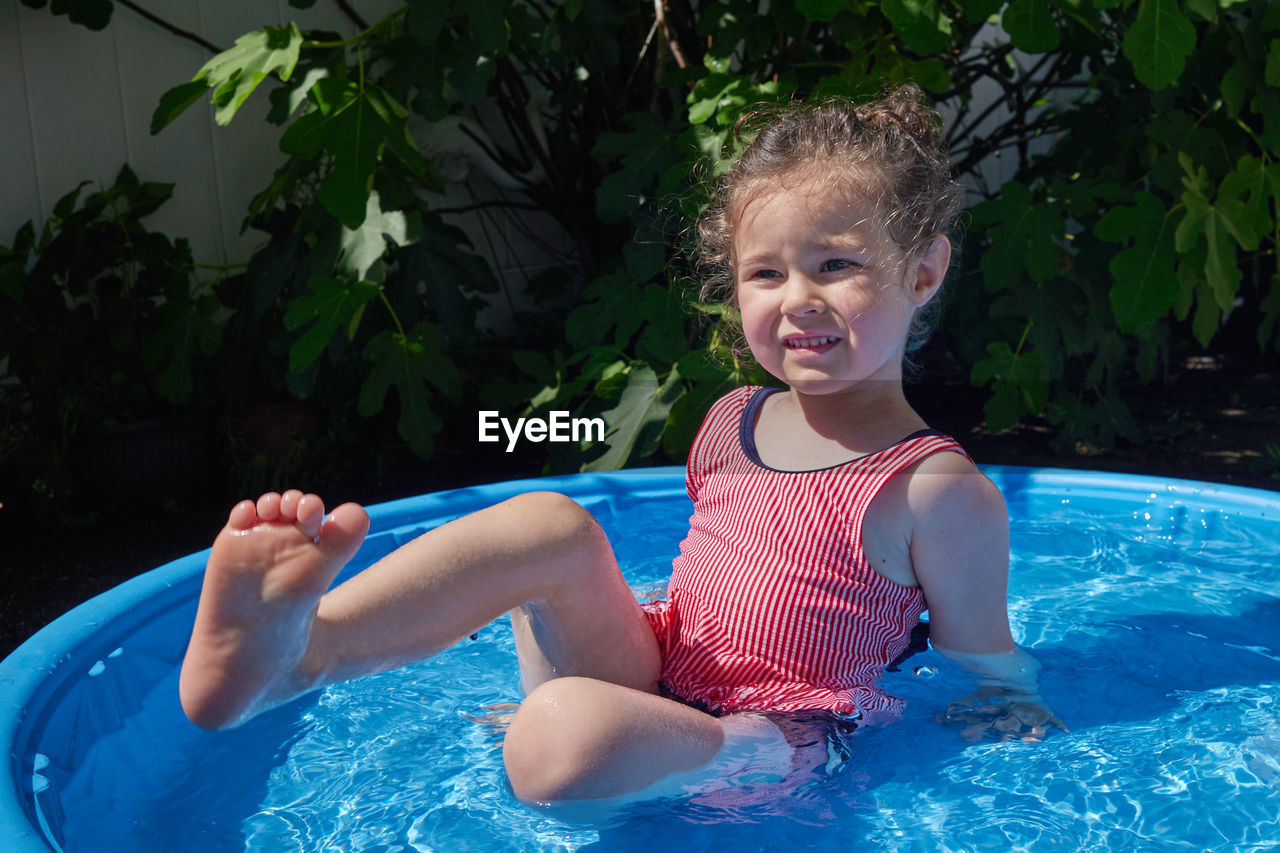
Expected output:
{"points": [[269, 506], [343, 531], [309, 513], [289, 505], [243, 515]]}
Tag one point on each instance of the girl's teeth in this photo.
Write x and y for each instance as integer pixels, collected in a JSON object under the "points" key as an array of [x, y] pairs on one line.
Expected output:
{"points": [[798, 343]]}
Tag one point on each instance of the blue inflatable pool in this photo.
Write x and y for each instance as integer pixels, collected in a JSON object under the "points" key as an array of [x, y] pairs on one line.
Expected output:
{"points": [[1153, 605]]}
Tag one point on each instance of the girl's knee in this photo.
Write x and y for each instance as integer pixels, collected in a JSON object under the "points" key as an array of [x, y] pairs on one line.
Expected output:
{"points": [[558, 742], [562, 526], [556, 514]]}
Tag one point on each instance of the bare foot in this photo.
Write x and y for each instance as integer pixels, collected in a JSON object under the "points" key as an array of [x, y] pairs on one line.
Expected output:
{"points": [[266, 573]]}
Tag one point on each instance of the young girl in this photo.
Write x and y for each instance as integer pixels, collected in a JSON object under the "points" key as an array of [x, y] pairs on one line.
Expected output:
{"points": [[825, 515]]}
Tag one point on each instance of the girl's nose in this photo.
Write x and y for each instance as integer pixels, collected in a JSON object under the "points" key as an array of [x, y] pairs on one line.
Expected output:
{"points": [[800, 297]]}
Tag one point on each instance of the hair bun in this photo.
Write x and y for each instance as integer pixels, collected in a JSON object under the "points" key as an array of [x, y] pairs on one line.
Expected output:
{"points": [[903, 108]]}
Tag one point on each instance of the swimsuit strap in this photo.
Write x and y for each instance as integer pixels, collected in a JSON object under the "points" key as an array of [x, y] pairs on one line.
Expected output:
{"points": [[747, 429]]}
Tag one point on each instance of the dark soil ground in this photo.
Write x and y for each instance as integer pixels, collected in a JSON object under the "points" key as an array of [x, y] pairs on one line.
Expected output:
{"points": [[1212, 422]]}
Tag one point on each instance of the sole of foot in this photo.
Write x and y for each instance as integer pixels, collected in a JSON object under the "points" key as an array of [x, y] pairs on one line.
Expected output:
{"points": [[267, 570]]}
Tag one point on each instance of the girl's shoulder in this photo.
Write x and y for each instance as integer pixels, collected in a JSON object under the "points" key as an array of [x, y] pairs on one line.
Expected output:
{"points": [[727, 411], [949, 485], [737, 399], [719, 438]]}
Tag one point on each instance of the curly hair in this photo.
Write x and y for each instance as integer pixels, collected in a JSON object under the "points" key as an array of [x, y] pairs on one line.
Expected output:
{"points": [[890, 150]]}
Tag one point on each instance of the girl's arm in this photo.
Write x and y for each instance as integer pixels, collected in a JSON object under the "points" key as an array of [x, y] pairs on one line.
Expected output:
{"points": [[960, 555]]}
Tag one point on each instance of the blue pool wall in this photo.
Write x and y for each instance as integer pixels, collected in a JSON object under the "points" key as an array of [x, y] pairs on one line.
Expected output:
{"points": [[49, 708]]}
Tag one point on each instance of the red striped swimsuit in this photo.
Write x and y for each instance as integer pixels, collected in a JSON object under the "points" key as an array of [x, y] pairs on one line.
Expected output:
{"points": [[772, 605]]}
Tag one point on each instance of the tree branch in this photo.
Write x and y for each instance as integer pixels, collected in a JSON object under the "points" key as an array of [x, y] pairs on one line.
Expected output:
{"points": [[163, 24], [660, 17], [352, 14]]}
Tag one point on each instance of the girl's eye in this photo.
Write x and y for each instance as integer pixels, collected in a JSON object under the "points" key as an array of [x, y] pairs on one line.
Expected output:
{"points": [[767, 275], [837, 264]]}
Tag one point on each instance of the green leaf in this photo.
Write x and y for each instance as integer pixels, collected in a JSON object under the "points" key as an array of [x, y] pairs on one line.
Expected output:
{"points": [[1145, 283], [690, 409], [408, 363], [487, 25], [427, 19], [285, 100], [663, 338], [365, 245], [1204, 325], [634, 425], [919, 24], [1236, 218], [1140, 222], [1206, 9], [1233, 91], [1031, 26], [1224, 226], [235, 73], [1254, 184], [65, 205], [533, 363], [334, 303], [1192, 225], [420, 71], [1220, 269], [707, 95], [352, 126], [470, 72], [644, 258], [92, 14], [1021, 233], [187, 326], [1159, 42], [1190, 278], [820, 10], [393, 123], [981, 10], [1019, 383], [1002, 408], [932, 74], [13, 279], [644, 154], [174, 102], [1145, 288], [1272, 71]]}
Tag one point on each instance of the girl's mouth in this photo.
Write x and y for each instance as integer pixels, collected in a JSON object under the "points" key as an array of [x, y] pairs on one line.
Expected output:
{"points": [[812, 343]]}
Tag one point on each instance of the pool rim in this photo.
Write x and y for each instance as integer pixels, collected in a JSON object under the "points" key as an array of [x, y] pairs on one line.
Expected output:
{"points": [[37, 669]]}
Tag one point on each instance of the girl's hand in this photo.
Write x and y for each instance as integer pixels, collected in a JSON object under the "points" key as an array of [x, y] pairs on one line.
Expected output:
{"points": [[1026, 718]]}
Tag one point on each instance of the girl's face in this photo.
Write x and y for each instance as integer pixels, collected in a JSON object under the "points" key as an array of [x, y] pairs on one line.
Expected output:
{"points": [[826, 295]]}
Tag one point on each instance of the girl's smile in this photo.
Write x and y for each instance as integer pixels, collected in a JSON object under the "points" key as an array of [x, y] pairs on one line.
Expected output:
{"points": [[816, 344]]}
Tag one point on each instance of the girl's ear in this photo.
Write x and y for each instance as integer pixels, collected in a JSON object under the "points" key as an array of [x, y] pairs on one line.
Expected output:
{"points": [[928, 269]]}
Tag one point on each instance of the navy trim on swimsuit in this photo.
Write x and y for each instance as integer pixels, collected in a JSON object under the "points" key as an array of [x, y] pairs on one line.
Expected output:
{"points": [[747, 429]]}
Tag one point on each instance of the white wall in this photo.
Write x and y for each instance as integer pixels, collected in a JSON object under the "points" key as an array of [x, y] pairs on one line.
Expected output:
{"points": [[75, 105]]}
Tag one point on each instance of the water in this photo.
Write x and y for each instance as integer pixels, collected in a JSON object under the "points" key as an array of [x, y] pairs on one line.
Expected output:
{"points": [[1158, 632]]}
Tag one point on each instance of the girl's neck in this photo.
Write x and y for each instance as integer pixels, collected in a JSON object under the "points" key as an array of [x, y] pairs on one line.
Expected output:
{"points": [[856, 412], [797, 431]]}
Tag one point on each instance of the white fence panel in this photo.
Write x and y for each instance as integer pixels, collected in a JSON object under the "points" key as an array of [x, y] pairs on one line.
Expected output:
{"points": [[76, 105]]}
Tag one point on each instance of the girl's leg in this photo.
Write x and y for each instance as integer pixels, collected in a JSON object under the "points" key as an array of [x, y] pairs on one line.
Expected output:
{"points": [[265, 634], [579, 738], [582, 738]]}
